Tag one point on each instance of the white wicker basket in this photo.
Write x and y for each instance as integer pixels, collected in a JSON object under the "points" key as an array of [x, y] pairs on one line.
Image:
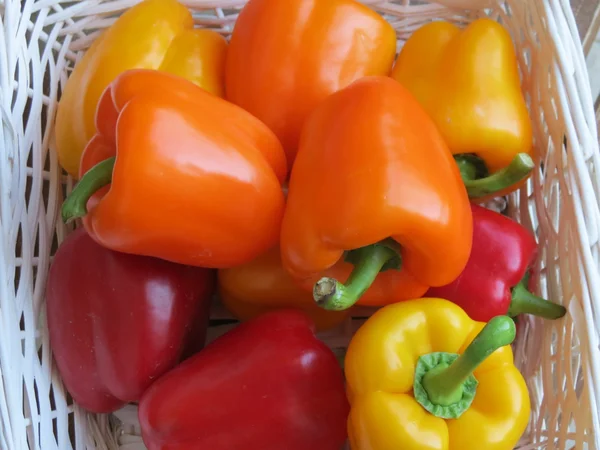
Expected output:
{"points": [[41, 40]]}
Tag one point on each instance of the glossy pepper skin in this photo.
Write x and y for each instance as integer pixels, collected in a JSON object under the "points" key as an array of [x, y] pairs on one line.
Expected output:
{"points": [[285, 57], [468, 81], [494, 281], [196, 180], [154, 34], [269, 384], [117, 322], [394, 375], [372, 169], [262, 285]]}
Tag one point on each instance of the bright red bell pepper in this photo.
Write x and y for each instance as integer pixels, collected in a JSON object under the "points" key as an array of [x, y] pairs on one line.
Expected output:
{"points": [[269, 384], [495, 280], [117, 321]]}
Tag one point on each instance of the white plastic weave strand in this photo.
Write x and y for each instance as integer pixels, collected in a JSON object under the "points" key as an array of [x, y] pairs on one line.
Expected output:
{"points": [[41, 40]]}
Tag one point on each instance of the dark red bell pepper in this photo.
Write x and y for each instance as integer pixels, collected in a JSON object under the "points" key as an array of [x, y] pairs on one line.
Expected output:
{"points": [[495, 279], [117, 321], [268, 384]]}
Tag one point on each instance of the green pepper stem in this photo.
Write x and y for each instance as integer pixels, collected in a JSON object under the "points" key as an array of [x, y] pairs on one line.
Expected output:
{"points": [[519, 169], [471, 167], [525, 302], [332, 295], [444, 384], [100, 175]]}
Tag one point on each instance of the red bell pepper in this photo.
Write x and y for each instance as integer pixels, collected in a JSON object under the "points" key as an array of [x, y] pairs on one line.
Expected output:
{"points": [[118, 321], [269, 384], [495, 279]]}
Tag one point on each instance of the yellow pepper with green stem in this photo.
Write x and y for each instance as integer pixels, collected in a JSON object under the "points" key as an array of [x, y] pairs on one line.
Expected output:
{"points": [[468, 81], [154, 34], [422, 375]]}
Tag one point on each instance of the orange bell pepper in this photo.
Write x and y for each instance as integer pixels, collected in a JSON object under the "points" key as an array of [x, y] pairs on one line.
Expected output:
{"points": [[468, 81], [285, 57], [263, 285], [196, 180], [154, 34], [374, 180]]}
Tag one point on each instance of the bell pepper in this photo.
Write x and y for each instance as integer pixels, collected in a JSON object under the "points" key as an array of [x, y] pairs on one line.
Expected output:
{"points": [[468, 81], [495, 280], [262, 285], [374, 185], [154, 34], [268, 384], [422, 375], [196, 180], [285, 57], [117, 322]]}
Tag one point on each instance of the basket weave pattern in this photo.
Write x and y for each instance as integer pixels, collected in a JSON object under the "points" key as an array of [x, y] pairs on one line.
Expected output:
{"points": [[41, 40]]}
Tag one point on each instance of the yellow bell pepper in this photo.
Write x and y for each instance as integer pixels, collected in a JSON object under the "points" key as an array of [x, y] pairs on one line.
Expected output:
{"points": [[468, 81], [154, 34], [409, 389]]}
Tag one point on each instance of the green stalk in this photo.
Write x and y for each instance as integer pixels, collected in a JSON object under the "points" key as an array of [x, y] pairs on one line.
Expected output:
{"points": [[332, 295], [444, 383], [480, 184], [100, 175], [525, 302]]}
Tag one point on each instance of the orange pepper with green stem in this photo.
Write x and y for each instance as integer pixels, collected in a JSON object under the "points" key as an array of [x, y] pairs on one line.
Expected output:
{"points": [[263, 285], [184, 176], [374, 185], [154, 34], [468, 81], [421, 375]]}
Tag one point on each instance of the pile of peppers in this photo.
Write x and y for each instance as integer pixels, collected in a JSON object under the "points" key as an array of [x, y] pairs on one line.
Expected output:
{"points": [[292, 174]]}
